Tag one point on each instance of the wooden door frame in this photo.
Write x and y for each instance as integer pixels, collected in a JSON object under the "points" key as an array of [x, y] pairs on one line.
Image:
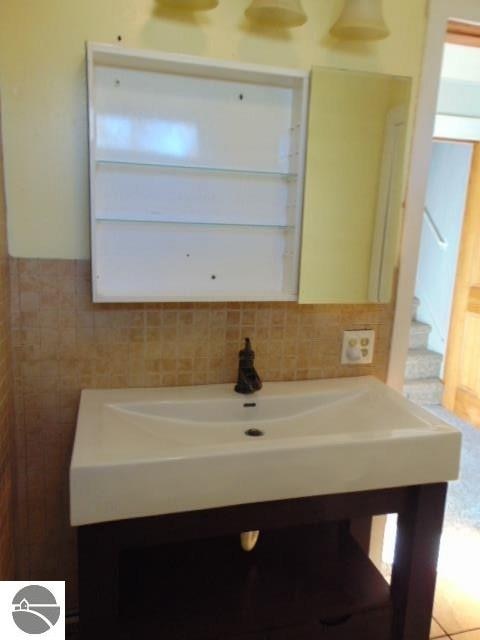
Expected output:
{"points": [[441, 12], [470, 234], [465, 34]]}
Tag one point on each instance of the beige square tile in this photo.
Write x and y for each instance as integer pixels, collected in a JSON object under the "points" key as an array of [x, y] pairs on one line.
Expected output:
{"points": [[29, 301], [169, 379], [232, 334], [169, 333], [456, 608], [469, 635], [436, 630]]}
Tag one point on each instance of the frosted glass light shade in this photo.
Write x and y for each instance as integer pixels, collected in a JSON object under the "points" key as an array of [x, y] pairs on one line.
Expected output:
{"points": [[280, 13], [361, 20], [191, 5]]}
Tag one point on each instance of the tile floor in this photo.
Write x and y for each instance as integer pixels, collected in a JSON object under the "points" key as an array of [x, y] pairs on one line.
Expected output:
{"points": [[466, 635], [456, 613]]}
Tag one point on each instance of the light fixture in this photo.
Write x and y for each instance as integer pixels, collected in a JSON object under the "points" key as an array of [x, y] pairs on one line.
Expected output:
{"points": [[191, 5], [361, 20], [277, 13]]}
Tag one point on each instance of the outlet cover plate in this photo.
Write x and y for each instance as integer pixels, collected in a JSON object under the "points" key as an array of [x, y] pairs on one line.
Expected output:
{"points": [[358, 347]]}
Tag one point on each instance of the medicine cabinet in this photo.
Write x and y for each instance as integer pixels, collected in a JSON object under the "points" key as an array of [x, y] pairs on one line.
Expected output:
{"points": [[196, 177], [354, 183]]}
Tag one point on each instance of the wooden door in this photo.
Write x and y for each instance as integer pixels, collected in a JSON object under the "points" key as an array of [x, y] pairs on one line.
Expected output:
{"points": [[462, 370]]}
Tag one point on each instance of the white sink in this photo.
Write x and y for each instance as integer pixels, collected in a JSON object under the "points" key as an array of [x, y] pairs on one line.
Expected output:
{"points": [[229, 411], [145, 452]]}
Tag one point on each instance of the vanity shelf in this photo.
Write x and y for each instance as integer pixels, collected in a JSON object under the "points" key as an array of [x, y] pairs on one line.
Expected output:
{"points": [[212, 151], [298, 583]]}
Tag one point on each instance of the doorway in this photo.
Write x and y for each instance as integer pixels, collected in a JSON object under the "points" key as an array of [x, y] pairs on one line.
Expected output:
{"points": [[444, 324], [444, 346], [435, 287]]}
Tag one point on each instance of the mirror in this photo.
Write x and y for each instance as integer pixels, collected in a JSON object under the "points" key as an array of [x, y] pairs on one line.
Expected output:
{"points": [[353, 186]]}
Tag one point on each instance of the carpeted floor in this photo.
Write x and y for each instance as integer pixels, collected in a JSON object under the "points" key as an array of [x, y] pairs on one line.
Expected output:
{"points": [[463, 504]]}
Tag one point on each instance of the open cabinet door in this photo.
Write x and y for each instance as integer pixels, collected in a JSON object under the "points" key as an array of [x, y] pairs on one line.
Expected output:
{"points": [[462, 370]]}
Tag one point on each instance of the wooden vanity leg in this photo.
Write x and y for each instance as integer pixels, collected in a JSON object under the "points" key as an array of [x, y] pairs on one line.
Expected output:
{"points": [[415, 565], [98, 584]]}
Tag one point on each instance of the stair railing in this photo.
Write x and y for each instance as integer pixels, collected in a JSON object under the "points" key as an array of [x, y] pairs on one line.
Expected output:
{"points": [[434, 228]]}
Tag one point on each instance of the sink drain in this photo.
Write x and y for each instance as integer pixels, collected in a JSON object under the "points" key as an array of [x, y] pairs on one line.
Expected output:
{"points": [[254, 433]]}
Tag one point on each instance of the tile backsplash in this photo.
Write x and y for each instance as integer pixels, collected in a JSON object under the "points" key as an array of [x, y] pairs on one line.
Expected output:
{"points": [[63, 343]]}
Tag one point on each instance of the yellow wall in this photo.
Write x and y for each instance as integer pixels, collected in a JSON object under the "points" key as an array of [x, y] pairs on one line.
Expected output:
{"points": [[42, 80]]}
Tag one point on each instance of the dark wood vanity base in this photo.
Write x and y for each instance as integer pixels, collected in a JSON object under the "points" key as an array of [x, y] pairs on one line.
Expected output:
{"points": [[185, 577]]}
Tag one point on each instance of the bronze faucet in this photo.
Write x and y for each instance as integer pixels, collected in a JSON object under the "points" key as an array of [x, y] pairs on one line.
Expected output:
{"points": [[248, 379]]}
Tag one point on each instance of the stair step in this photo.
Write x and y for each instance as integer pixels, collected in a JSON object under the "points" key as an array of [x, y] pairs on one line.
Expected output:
{"points": [[419, 332], [415, 305], [425, 391], [422, 363]]}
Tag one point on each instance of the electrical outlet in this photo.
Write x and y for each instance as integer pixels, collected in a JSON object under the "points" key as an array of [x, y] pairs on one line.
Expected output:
{"points": [[358, 347]]}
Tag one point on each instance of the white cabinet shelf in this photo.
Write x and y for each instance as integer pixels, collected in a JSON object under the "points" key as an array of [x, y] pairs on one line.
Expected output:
{"points": [[205, 223], [196, 177], [212, 170]]}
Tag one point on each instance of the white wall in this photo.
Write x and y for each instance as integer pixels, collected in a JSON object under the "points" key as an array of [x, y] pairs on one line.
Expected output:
{"points": [[458, 105], [462, 63]]}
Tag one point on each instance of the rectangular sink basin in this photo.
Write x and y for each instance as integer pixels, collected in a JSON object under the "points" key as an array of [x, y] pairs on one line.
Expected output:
{"points": [[146, 452]]}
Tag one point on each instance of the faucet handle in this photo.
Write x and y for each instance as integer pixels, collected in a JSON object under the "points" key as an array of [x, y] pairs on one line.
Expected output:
{"points": [[248, 379], [247, 353]]}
